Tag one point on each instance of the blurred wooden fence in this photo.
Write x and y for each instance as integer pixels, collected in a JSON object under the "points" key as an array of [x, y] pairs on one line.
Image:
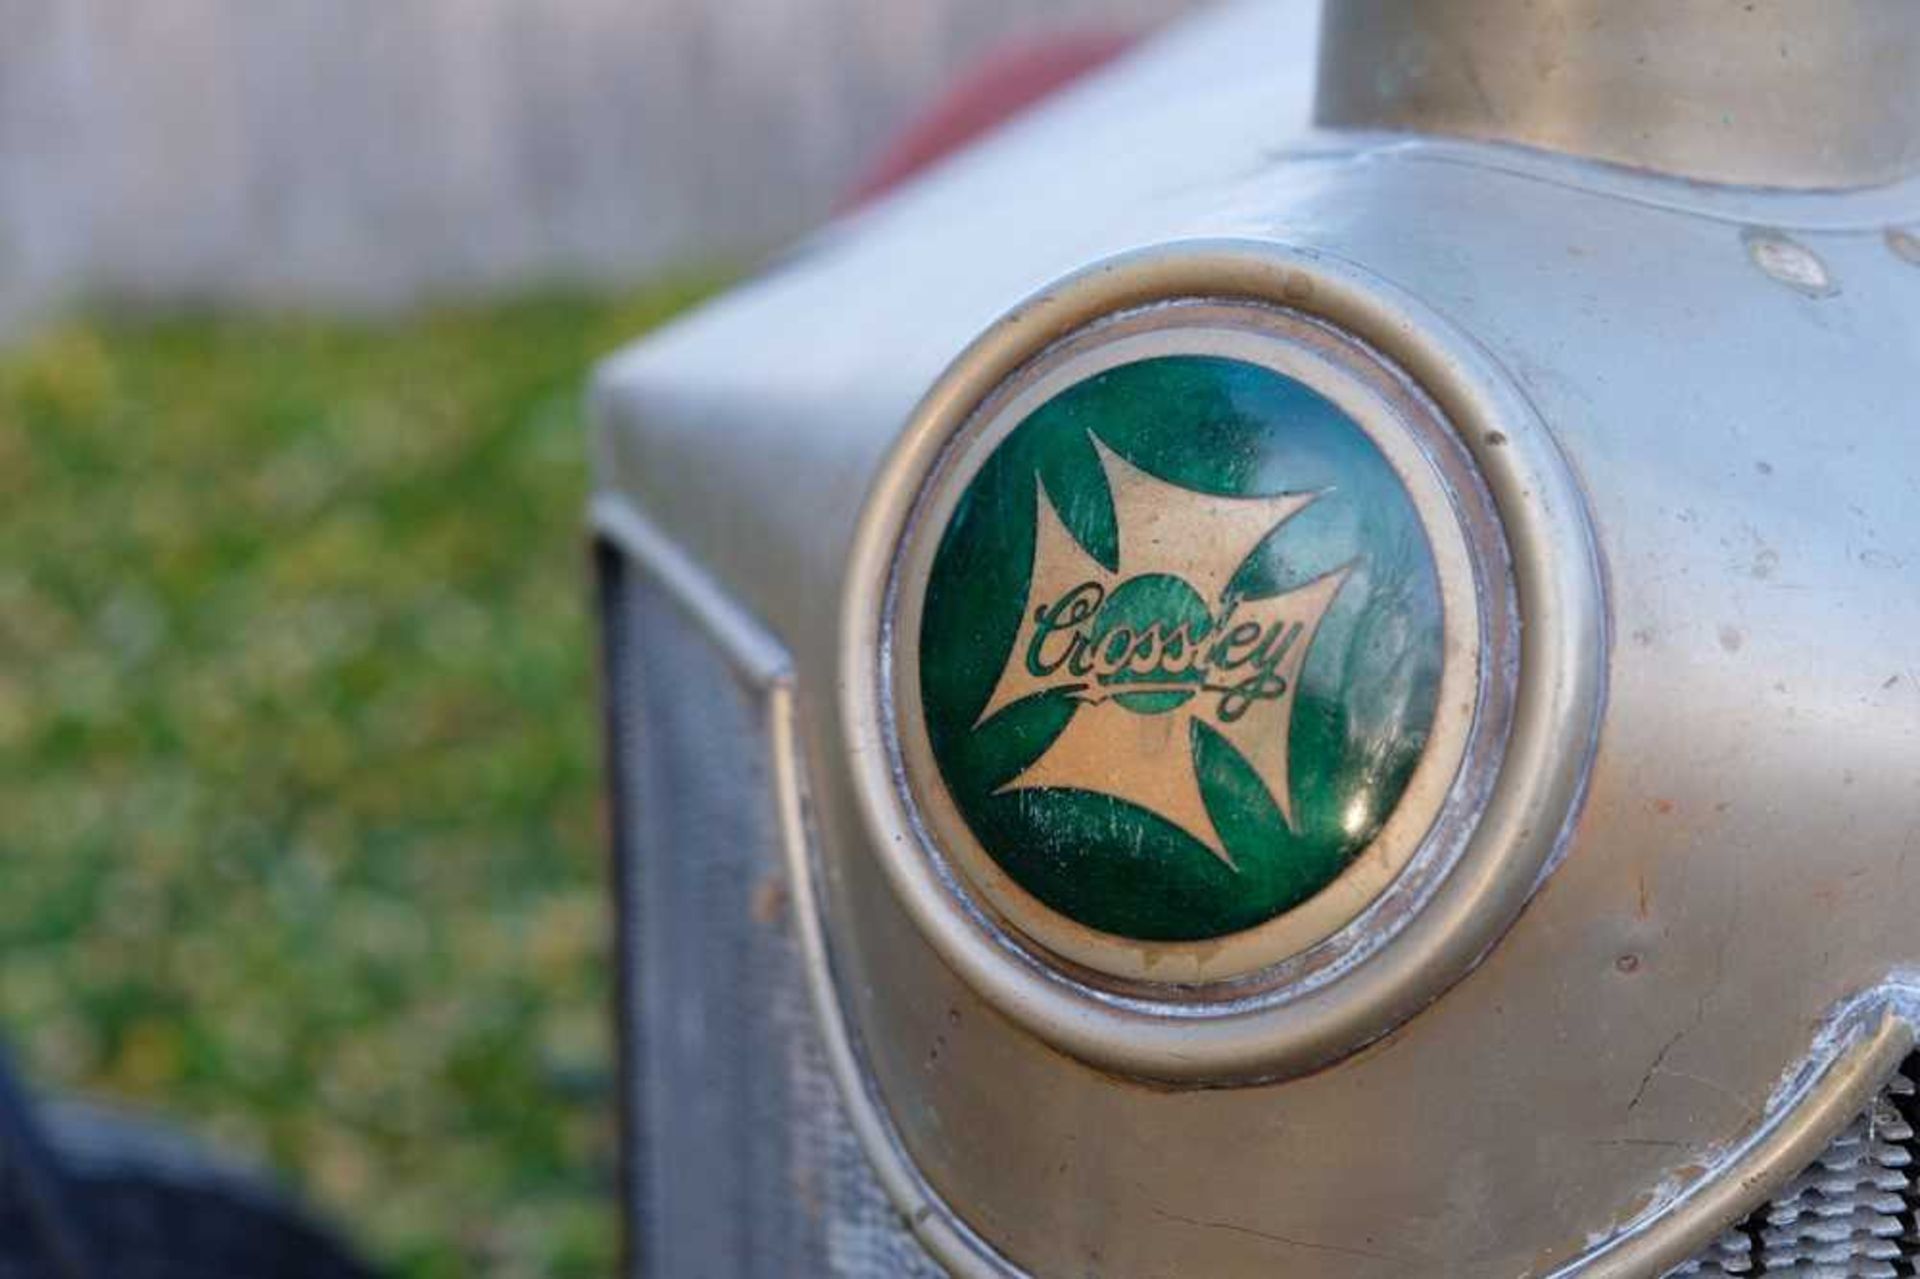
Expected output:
{"points": [[361, 152]]}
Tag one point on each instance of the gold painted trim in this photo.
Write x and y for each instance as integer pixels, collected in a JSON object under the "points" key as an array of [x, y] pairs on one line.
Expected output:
{"points": [[1469, 728], [1401, 960]]}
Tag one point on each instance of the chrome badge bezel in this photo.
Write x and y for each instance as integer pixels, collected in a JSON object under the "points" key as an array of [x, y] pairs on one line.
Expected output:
{"points": [[1502, 772]]}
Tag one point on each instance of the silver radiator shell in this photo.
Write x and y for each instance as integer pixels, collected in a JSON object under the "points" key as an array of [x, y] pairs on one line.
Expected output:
{"points": [[1729, 372]]}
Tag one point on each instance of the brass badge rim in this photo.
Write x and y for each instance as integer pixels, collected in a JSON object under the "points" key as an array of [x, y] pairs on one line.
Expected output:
{"points": [[1468, 730], [1265, 1016]]}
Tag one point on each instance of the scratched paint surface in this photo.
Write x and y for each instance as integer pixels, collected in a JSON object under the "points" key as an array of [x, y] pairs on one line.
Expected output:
{"points": [[1287, 693]]}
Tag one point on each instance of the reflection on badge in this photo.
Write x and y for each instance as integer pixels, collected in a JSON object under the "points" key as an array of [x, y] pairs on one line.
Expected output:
{"points": [[1186, 642], [1164, 633], [1218, 663]]}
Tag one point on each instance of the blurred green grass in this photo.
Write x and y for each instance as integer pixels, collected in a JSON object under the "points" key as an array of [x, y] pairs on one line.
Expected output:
{"points": [[298, 796]]}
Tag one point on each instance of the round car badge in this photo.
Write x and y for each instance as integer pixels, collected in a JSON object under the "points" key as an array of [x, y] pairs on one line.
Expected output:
{"points": [[1179, 652], [1193, 669]]}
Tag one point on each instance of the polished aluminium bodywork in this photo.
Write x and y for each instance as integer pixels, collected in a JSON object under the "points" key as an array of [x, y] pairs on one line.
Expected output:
{"points": [[1709, 983]]}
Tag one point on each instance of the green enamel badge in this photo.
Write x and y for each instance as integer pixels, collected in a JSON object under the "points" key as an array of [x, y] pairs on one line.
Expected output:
{"points": [[1181, 664], [1180, 647]]}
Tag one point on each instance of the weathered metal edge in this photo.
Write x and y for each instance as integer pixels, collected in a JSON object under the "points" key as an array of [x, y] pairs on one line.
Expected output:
{"points": [[1862, 211], [1860, 1047], [749, 646], [762, 660], [1561, 676]]}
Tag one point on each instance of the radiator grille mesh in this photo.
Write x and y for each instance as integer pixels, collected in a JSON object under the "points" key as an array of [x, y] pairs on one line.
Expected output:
{"points": [[739, 1159], [1849, 1216]]}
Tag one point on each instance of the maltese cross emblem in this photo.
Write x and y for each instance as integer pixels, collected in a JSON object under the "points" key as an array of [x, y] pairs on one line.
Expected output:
{"points": [[1162, 648], [1175, 652]]}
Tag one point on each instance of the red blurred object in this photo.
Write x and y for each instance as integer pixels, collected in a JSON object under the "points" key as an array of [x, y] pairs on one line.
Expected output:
{"points": [[995, 89]]}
